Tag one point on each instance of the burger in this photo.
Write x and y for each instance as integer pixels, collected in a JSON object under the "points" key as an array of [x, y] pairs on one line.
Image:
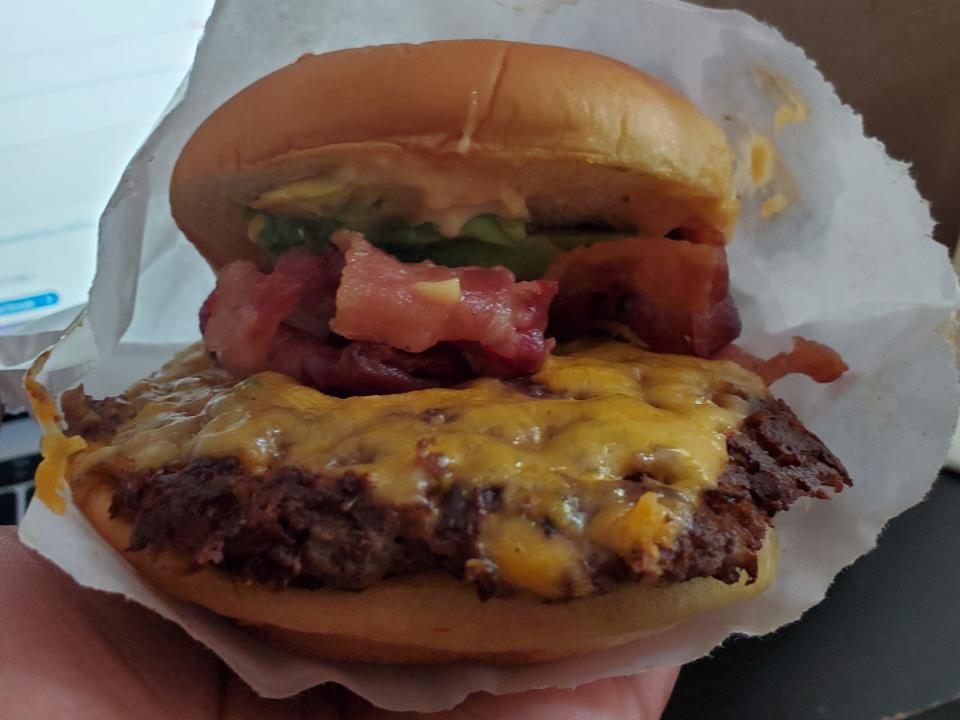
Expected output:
{"points": [[466, 387]]}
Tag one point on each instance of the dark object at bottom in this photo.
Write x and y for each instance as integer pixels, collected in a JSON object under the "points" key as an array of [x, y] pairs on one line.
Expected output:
{"points": [[16, 487], [883, 642]]}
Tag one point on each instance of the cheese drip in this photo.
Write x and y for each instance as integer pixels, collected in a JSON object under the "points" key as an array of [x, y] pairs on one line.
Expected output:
{"points": [[55, 447]]}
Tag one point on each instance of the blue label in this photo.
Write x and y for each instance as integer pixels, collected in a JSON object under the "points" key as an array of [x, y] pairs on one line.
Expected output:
{"points": [[25, 304]]}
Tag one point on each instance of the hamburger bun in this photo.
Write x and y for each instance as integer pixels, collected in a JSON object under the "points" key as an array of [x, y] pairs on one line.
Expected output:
{"points": [[574, 137], [429, 617]]}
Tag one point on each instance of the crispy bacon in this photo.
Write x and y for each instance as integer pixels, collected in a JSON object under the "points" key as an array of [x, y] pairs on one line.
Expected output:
{"points": [[358, 321], [698, 235], [379, 368], [673, 294], [414, 307], [815, 360], [242, 316], [318, 276], [361, 368], [281, 321]]}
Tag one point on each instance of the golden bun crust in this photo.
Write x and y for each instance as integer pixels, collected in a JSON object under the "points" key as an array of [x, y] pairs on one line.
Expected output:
{"points": [[429, 617], [582, 137]]}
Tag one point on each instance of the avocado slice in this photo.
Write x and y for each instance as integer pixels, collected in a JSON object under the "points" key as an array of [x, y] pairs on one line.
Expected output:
{"points": [[570, 240], [397, 232], [309, 198], [494, 230], [484, 241], [527, 260], [278, 233]]}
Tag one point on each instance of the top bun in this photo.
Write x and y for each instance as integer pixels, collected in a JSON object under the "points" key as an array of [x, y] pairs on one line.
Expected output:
{"points": [[572, 136]]}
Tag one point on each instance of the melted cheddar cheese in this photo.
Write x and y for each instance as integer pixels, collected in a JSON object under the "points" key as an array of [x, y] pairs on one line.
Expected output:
{"points": [[55, 447], [610, 444]]}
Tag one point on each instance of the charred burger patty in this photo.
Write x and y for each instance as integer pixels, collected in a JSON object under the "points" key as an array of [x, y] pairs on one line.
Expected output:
{"points": [[324, 528]]}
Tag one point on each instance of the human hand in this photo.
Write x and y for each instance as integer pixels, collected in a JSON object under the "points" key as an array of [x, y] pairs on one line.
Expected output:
{"points": [[69, 652]]}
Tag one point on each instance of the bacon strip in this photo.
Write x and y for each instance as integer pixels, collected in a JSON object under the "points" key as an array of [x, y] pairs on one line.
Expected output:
{"points": [[242, 317], [282, 321], [361, 368], [698, 235], [815, 360], [673, 294], [414, 307]]}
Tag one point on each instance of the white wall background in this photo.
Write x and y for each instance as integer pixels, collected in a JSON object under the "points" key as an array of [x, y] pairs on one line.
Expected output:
{"points": [[81, 83]]}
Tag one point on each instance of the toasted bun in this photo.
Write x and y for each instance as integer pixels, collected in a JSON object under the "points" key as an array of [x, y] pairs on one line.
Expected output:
{"points": [[581, 137], [429, 617]]}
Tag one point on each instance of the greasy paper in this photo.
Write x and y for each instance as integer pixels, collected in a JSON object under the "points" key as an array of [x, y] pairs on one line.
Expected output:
{"points": [[833, 244]]}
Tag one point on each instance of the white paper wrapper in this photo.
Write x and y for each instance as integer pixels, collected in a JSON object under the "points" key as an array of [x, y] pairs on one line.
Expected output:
{"points": [[849, 262]]}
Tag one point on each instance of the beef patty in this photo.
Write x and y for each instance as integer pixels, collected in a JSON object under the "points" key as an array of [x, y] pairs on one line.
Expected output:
{"points": [[294, 527]]}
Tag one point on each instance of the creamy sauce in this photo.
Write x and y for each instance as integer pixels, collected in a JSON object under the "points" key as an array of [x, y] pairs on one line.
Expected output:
{"points": [[760, 172], [610, 412], [791, 106], [774, 205], [763, 157], [793, 112], [470, 126], [447, 195]]}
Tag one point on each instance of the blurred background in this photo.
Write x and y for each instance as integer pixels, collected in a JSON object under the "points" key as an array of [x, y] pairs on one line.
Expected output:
{"points": [[81, 85]]}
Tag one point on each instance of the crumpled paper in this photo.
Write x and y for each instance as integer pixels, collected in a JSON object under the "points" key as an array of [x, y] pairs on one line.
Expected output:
{"points": [[847, 260]]}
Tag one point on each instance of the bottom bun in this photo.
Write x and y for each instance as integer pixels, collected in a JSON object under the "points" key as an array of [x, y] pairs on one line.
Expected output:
{"points": [[430, 617]]}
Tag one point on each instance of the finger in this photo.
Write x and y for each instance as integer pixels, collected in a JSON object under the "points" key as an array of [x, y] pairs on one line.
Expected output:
{"points": [[641, 697], [75, 653]]}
